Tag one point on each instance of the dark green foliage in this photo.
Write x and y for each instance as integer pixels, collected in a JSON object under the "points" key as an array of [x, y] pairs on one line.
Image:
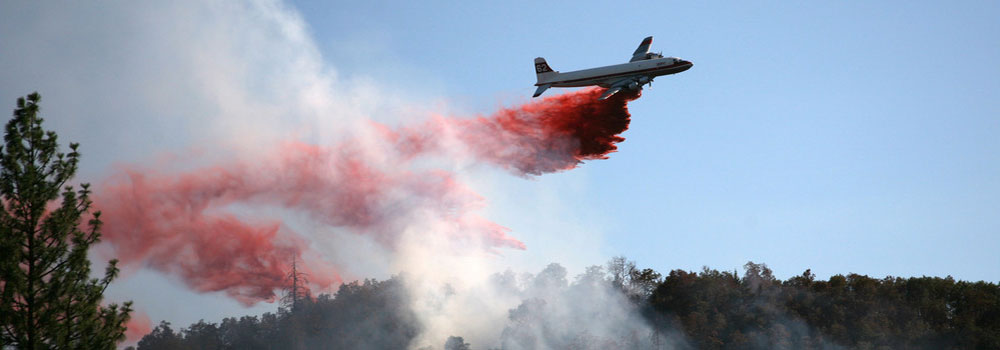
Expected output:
{"points": [[687, 310], [719, 310], [47, 298], [367, 315], [162, 338]]}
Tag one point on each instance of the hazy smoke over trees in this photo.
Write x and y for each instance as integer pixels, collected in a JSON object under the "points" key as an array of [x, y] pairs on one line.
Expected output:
{"points": [[609, 310]]}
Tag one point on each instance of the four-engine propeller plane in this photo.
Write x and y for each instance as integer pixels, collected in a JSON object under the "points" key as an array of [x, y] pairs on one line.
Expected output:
{"points": [[639, 71]]}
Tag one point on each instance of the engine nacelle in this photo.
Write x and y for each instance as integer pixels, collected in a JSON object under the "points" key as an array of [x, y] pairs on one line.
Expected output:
{"points": [[633, 85]]}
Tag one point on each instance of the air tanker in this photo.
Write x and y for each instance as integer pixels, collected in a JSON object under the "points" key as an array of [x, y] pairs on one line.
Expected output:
{"points": [[639, 71]]}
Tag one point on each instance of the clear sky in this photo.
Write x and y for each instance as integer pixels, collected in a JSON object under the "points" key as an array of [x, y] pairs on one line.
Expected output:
{"points": [[842, 137]]}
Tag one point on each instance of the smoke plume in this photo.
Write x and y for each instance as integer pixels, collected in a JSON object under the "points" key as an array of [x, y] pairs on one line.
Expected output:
{"points": [[205, 225]]}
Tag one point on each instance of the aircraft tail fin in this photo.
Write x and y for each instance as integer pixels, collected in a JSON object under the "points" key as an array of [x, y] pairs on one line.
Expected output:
{"points": [[543, 72], [640, 52]]}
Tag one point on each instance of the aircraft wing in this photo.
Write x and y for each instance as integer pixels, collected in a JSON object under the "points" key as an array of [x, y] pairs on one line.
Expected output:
{"points": [[640, 52], [622, 84], [611, 91], [615, 88]]}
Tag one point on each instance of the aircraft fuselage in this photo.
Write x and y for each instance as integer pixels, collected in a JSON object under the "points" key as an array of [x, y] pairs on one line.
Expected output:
{"points": [[607, 75], [639, 71]]}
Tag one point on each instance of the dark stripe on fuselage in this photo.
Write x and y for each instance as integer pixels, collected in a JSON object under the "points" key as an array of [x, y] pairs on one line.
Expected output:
{"points": [[598, 77]]}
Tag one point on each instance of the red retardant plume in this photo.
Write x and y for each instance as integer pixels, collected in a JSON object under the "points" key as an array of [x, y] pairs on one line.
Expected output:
{"points": [[556, 133], [180, 223], [553, 134], [205, 225], [173, 224]]}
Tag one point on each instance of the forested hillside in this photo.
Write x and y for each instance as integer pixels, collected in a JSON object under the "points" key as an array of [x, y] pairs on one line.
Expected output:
{"points": [[709, 309]]}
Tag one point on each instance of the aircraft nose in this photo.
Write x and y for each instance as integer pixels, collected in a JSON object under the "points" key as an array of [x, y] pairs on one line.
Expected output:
{"points": [[687, 65]]}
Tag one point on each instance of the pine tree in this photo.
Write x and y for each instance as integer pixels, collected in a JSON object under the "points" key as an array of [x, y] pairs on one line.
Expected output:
{"points": [[296, 292], [295, 300], [47, 298]]}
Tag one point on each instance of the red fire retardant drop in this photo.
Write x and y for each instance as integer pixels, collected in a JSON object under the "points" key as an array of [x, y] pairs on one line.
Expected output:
{"points": [[183, 224], [556, 133], [174, 224], [552, 134]]}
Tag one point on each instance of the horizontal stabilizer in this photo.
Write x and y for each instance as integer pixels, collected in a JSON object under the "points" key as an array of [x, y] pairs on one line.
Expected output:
{"points": [[541, 89]]}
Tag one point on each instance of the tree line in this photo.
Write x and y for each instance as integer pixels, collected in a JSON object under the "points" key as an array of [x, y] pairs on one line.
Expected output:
{"points": [[721, 310], [709, 309]]}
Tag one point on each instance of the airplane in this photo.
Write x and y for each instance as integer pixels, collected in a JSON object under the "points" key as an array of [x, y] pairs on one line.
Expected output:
{"points": [[639, 71]]}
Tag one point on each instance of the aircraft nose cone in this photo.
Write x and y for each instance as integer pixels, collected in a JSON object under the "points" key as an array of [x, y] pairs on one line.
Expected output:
{"points": [[687, 65]]}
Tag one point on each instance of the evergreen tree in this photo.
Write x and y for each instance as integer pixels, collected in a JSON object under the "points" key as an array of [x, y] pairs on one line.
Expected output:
{"points": [[296, 290], [296, 296], [47, 298]]}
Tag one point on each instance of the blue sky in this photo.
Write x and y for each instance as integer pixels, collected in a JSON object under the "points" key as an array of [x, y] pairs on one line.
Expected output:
{"points": [[841, 137]]}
